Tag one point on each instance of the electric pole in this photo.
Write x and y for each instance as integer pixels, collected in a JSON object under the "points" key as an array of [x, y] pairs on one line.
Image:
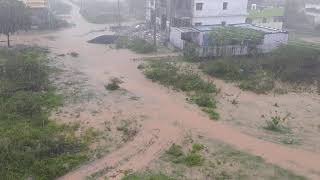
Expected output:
{"points": [[119, 15], [155, 24]]}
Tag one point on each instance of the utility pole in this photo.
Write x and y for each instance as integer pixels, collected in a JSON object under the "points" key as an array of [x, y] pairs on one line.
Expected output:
{"points": [[155, 24], [119, 15]]}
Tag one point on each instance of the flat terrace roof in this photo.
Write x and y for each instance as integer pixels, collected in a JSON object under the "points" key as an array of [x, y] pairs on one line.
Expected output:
{"points": [[250, 26]]}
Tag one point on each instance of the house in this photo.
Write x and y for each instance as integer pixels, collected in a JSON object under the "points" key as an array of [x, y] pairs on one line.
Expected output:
{"points": [[186, 13], [198, 35], [192, 21], [268, 17]]}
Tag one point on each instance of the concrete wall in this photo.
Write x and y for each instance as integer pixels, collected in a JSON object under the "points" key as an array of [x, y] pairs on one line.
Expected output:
{"points": [[213, 13], [273, 41], [271, 23], [175, 38]]}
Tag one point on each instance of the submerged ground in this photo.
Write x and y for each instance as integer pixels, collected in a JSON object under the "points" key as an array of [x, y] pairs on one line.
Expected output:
{"points": [[139, 123]]}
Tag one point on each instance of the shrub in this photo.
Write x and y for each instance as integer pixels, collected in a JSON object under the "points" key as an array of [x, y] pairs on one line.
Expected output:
{"points": [[204, 100], [261, 82], [122, 42], [113, 85], [190, 52], [193, 159], [136, 44], [275, 124], [175, 154], [222, 69], [141, 46], [212, 113], [197, 147]]}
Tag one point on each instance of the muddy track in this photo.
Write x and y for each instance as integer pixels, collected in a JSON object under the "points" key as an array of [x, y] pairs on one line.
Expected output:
{"points": [[170, 116]]}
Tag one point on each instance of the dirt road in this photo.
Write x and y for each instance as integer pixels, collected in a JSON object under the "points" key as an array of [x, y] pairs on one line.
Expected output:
{"points": [[169, 116]]}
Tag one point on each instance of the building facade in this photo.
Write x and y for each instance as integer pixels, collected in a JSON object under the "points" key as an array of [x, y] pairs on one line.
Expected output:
{"points": [[198, 35], [184, 13], [225, 12]]}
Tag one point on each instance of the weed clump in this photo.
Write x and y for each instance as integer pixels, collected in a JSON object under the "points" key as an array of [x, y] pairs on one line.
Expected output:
{"points": [[176, 155], [136, 44], [275, 124], [113, 85], [74, 54], [193, 159]]}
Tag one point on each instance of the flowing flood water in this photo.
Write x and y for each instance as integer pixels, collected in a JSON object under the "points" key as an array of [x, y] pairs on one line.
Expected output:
{"points": [[167, 116]]}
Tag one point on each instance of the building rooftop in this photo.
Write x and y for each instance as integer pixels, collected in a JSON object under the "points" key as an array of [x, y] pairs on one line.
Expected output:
{"points": [[250, 26], [265, 13]]}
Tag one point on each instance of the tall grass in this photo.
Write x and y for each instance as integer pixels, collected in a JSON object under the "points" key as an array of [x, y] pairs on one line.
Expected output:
{"points": [[290, 64], [31, 145]]}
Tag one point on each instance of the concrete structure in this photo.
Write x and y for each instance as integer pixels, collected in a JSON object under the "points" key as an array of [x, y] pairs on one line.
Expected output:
{"points": [[186, 13], [36, 4], [268, 17], [197, 35]]}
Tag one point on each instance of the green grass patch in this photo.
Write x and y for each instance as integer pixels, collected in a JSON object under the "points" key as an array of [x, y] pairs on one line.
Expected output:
{"points": [[136, 44], [147, 176], [176, 155], [33, 146], [167, 73], [290, 64]]}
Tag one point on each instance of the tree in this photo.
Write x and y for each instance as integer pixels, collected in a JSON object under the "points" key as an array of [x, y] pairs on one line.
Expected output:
{"points": [[14, 16]]}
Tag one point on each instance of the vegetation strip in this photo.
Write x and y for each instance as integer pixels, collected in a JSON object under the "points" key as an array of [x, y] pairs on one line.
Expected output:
{"points": [[32, 145], [170, 74]]}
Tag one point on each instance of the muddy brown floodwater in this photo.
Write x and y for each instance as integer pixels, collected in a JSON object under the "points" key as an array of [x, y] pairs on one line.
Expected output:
{"points": [[168, 114]]}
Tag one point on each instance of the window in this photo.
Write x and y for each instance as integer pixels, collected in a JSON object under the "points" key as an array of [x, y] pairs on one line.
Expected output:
{"points": [[199, 6], [198, 24], [223, 23], [225, 6]]}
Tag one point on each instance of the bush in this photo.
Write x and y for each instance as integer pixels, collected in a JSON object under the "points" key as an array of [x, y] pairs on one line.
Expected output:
{"points": [[177, 156], [261, 82], [141, 46], [193, 159], [197, 148], [122, 42], [113, 85], [275, 124], [204, 100], [291, 63], [190, 52], [137, 45]]}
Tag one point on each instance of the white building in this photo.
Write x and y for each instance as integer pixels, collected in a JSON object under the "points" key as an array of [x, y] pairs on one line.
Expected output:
{"points": [[178, 13], [210, 12], [198, 35]]}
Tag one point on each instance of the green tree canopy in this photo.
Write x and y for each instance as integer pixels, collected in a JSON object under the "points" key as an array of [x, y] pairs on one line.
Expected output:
{"points": [[14, 16]]}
